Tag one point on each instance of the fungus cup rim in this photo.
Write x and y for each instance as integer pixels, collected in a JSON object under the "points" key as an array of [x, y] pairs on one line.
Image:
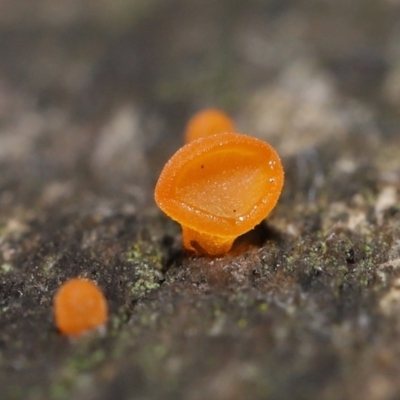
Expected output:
{"points": [[200, 220]]}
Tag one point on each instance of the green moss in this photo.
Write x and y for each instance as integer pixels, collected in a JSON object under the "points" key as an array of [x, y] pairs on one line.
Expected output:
{"points": [[6, 267], [60, 390], [146, 260], [149, 319], [48, 263], [242, 323], [86, 361], [145, 249], [83, 359], [3, 229]]}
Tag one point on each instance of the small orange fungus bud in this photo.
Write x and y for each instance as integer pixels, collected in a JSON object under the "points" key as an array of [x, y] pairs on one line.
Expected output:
{"points": [[208, 122], [79, 305], [219, 187]]}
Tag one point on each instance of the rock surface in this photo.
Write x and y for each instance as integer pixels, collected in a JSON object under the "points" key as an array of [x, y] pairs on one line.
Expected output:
{"points": [[93, 100]]}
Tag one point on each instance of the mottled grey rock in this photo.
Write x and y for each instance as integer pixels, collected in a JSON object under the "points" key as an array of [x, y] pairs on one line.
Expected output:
{"points": [[93, 100]]}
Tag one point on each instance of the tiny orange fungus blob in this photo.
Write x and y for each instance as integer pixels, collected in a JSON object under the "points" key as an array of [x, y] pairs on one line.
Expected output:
{"points": [[208, 122], [219, 187], [79, 306]]}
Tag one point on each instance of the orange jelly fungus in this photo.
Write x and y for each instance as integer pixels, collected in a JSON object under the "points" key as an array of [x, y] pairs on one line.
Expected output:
{"points": [[219, 187], [79, 305], [208, 122]]}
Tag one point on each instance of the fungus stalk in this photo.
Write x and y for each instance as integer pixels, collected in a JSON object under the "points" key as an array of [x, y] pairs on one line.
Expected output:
{"points": [[203, 243]]}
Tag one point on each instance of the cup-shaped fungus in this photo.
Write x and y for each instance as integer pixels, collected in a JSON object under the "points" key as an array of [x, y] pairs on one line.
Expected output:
{"points": [[208, 122], [79, 306], [219, 187]]}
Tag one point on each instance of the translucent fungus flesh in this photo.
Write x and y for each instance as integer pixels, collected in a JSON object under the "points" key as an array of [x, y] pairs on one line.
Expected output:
{"points": [[79, 306], [219, 187], [224, 173], [202, 243]]}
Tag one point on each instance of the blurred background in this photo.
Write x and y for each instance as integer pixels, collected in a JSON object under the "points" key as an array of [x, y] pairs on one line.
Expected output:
{"points": [[95, 94]]}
